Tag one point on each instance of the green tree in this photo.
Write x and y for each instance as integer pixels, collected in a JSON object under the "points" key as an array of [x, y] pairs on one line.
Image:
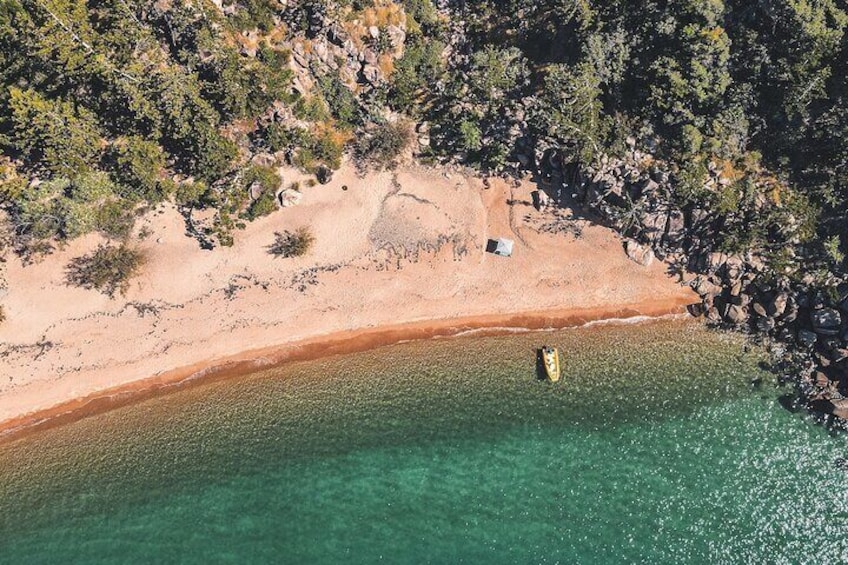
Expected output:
{"points": [[138, 164], [53, 133]]}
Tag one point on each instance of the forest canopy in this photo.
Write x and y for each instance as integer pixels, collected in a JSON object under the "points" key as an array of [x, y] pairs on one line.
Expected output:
{"points": [[115, 104]]}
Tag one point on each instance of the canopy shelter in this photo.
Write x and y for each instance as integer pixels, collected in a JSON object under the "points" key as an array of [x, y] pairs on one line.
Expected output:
{"points": [[500, 246]]}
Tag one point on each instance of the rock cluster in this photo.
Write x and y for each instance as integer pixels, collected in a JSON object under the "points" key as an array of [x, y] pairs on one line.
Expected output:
{"points": [[357, 53], [807, 324]]}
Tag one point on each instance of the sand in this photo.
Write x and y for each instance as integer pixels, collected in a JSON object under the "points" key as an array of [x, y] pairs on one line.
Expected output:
{"points": [[398, 255]]}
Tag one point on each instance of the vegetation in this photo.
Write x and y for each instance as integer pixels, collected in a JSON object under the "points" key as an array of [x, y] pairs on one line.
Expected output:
{"points": [[384, 145], [107, 106], [107, 269], [291, 244]]}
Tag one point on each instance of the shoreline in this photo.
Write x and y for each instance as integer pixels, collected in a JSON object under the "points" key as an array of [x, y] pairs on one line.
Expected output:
{"points": [[336, 343]]}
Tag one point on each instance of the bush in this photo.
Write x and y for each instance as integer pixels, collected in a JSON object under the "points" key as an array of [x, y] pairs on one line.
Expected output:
{"points": [[384, 146], [262, 206], [288, 244], [108, 269]]}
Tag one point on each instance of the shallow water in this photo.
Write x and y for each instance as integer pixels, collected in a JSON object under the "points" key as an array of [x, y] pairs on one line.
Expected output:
{"points": [[654, 448]]}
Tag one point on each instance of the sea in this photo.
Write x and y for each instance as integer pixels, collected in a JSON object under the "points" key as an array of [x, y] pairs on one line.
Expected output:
{"points": [[664, 442]]}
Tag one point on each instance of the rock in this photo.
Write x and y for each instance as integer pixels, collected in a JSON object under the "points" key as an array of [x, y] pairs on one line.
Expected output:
{"points": [[424, 140], [370, 57], [319, 49], [777, 305], [715, 261], [735, 314], [397, 36], [655, 225], [826, 321], [372, 74], [807, 338], [255, 190], [759, 309], [704, 287], [374, 32], [675, 229], [641, 254], [765, 325], [264, 160], [697, 309], [324, 174], [791, 315], [713, 315], [736, 289], [289, 197], [839, 355], [742, 299]]}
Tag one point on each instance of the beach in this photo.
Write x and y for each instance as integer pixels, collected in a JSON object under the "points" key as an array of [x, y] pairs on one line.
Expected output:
{"points": [[398, 255]]}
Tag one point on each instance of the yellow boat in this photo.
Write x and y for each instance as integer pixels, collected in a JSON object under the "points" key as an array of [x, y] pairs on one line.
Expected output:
{"points": [[550, 357]]}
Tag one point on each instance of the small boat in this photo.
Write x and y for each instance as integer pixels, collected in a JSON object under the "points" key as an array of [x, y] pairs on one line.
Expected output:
{"points": [[550, 358]]}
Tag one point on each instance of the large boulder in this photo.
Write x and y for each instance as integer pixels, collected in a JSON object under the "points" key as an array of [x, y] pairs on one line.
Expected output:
{"points": [[735, 314], [639, 253], [324, 174], [290, 197], [826, 321]]}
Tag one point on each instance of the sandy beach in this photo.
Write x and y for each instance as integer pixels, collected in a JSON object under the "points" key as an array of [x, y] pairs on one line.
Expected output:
{"points": [[397, 255]]}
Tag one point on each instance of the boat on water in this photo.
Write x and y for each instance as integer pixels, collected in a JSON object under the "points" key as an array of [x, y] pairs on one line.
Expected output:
{"points": [[550, 358]]}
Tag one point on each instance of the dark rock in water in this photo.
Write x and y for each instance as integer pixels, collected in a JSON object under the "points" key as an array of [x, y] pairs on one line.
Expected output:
{"points": [[807, 338], [826, 321], [841, 463], [324, 174], [823, 406]]}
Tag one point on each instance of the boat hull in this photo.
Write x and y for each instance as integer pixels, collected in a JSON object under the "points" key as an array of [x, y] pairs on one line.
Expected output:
{"points": [[550, 358]]}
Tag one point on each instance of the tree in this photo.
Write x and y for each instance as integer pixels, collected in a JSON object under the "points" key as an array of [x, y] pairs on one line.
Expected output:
{"points": [[137, 164], [570, 111], [54, 133]]}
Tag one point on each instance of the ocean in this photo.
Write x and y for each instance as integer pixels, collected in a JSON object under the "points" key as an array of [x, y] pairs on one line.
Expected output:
{"points": [[664, 443]]}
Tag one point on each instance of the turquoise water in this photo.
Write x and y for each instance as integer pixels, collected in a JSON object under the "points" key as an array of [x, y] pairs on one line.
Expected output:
{"points": [[655, 448]]}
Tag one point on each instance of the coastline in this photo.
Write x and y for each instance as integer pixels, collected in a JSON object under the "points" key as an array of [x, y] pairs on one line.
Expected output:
{"points": [[398, 256], [339, 343]]}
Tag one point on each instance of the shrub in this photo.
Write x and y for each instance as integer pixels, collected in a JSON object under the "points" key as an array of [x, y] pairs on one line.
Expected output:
{"points": [[262, 206], [291, 244], [385, 145], [108, 269], [115, 219]]}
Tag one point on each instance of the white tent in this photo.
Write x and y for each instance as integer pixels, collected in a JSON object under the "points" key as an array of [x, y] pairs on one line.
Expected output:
{"points": [[504, 248]]}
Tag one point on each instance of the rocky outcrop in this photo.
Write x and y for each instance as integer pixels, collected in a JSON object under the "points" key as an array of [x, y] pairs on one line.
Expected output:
{"points": [[807, 325]]}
